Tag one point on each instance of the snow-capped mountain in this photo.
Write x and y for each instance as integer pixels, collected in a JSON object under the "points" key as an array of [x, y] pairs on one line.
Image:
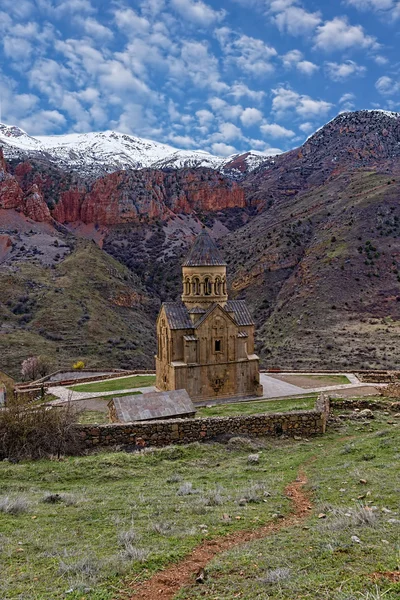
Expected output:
{"points": [[94, 154]]}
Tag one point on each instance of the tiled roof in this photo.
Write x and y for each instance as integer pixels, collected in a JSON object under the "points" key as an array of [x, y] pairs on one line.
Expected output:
{"points": [[155, 405], [177, 315], [241, 312], [190, 338], [197, 310], [204, 252]]}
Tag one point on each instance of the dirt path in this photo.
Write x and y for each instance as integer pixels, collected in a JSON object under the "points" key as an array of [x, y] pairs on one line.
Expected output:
{"points": [[167, 583]]}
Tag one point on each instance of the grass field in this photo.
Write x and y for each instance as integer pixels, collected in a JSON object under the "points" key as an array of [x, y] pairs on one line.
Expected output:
{"points": [[259, 407], [122, 383], [330, 379], [90, 526]]}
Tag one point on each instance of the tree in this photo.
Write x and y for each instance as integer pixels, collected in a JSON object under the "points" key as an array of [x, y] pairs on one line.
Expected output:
{"points": [[34, 367]]}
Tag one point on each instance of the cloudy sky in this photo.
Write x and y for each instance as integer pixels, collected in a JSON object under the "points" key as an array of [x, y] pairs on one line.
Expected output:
{"points": [[222, 76]]}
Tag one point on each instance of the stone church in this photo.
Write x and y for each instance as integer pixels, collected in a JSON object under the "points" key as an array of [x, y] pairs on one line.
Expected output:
{"points": [[206, 341]]}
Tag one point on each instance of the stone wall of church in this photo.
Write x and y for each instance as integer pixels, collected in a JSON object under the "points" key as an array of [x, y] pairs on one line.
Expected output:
{"points": [[219, 380], [185, 431]]}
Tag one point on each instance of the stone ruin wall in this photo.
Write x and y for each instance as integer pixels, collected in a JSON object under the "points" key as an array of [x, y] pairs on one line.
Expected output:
{"points": [[185, 431]]}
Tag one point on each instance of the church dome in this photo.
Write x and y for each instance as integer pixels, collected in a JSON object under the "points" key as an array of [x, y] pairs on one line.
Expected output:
{"points": [[204, 253]]}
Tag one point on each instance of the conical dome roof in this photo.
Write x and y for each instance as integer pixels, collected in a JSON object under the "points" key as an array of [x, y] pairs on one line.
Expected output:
{"points": [[204, 253]]}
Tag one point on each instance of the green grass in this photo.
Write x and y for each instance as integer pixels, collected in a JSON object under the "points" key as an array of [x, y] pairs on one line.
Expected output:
{"points": [[334, 379], [259, 407], [93, 416], [77, 543], [122, 383], [321, 559]]}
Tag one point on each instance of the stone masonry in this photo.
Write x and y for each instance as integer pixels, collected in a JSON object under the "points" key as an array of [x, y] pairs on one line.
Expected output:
{"points": [[185, 431]]}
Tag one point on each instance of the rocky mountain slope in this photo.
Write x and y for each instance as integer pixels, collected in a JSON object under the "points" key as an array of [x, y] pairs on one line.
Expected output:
{"points": [[312, 240], [95, 154]]}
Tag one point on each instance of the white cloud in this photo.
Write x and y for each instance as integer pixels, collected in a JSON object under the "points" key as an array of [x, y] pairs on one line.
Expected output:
{"points": [[306, 67], [387, 9], [222, 149], [338, 34], [387, 86], [196, 63], [347, 101], [152, 7], [276, 131], [250, 54], [371, 4], [240, 90], [348, 97], [130, 22], [94, 29], [227, 133], [198, 12], [43, 121], [205, 117], [296, 21], [287, 100], [228, 111], [294, 59], [182, 141], [381, 60], [21, 9], [17, 49], [306, 127], [251, 116], [340, 71]]}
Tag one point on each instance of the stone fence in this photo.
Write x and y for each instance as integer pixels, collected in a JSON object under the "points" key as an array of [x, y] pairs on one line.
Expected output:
{"points": [[46, 382], [185, 431]]}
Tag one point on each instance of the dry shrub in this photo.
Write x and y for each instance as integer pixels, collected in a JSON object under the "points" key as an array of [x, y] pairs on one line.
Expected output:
{"points": [[14, 505], [38, 431], [276, 575]]}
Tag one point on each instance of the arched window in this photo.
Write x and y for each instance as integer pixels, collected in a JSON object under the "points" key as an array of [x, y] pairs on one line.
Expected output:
{"points": [[207, 286], [196, 286], [217, 286], [187, 286], [224, 287]]}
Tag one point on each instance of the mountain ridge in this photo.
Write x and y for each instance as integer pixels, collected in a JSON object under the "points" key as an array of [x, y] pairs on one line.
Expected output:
{"points": [[97, 153]]}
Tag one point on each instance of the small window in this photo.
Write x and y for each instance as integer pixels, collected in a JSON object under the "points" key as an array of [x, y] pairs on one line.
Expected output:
{"points": [[217, 345]]}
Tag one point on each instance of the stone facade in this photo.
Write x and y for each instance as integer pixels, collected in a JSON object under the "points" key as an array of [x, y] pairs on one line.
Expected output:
{"points": [[206, 342], [185, 431]]}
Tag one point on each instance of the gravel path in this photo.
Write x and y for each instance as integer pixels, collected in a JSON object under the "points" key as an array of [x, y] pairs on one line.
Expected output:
{"points": [[65, 395]]}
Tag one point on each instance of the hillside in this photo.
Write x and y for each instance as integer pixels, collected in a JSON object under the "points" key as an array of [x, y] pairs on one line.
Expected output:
{"points": [[86, 306], [311, 239]]}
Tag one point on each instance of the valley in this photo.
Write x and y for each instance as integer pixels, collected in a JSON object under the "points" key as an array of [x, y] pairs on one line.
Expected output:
{"points": [[311, 238]]}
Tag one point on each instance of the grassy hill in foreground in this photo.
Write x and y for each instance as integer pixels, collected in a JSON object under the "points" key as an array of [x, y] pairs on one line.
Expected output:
{"points": [[120, 517], [87, 307]]}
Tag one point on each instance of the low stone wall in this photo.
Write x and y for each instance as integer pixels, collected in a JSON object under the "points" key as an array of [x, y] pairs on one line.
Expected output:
{"points": [[44, 383], [345, 404], [185, 431], [391, 391], [379, 376]]}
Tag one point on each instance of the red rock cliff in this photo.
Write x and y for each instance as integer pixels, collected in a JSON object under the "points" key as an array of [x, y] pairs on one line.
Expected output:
{"points": [[121, 197]]}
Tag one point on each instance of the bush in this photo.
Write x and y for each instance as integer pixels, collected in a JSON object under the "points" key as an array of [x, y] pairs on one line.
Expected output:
{"points": [[13, 506], [28, 431], [34, 367], [79, 365]]}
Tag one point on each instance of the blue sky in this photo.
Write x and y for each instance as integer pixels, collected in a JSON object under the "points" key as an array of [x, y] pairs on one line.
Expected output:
{"points": [[222, 76]]}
